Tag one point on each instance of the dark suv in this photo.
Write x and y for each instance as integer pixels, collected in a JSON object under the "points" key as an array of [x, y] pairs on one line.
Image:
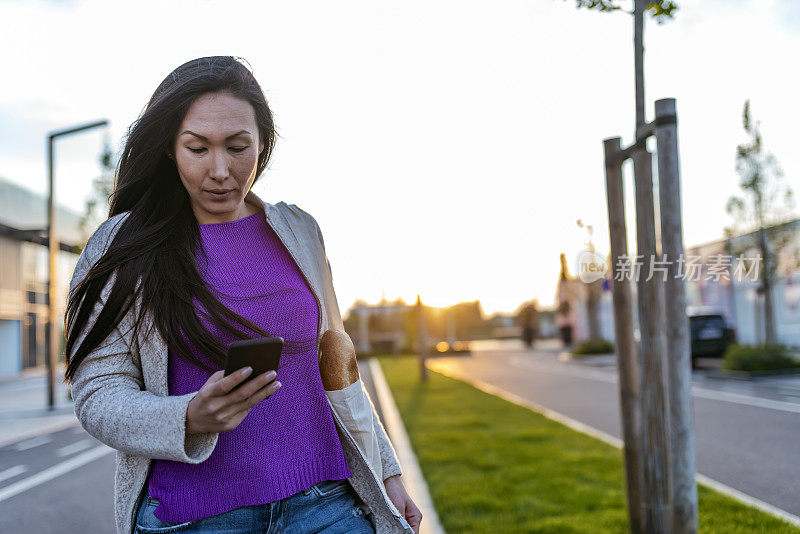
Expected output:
{"points": [[710, 334]]}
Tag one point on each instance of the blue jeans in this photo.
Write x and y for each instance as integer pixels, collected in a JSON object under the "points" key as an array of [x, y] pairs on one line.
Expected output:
{"points": [[328, 507]]}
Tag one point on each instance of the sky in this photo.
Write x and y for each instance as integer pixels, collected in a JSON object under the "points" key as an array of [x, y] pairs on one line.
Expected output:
{"points": [[446, 148]]}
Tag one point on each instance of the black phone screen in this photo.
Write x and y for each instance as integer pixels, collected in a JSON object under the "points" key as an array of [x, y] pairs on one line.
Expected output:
{"points": [[262, 354]]}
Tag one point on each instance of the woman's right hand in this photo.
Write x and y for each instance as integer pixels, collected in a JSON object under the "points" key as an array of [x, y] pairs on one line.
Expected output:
{"points": [[216, 408]]}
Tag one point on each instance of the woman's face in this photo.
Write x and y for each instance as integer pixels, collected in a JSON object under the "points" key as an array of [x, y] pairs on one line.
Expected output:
{"points": [[216, 152]]}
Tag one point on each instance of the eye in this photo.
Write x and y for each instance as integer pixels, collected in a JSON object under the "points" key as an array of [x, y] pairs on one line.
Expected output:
{"points": [[235, 149]]}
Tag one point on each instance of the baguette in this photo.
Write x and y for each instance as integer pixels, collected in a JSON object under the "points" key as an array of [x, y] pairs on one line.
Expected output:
{"points": [[338, 366]]}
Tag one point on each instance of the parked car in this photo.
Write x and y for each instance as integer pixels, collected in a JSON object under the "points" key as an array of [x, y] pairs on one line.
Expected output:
{"points": [[710, 334]]}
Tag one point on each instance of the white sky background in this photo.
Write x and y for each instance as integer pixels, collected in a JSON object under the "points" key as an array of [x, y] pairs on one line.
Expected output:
{"points": [[445, 147]]}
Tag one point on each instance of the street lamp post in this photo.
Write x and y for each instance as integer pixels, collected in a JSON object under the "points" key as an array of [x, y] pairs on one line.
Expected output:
{"points": [[54, 245]]}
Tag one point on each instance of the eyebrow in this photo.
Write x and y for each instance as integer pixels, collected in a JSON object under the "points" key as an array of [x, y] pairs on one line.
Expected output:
{"points": [[204, 138]]}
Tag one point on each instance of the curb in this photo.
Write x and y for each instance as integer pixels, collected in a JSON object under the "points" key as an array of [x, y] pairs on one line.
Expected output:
{"points": [[412, 474], [749, 375], [611, 440], [587, 359]]}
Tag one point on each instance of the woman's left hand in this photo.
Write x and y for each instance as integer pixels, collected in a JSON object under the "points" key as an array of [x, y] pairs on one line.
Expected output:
{"points": [[400, 498]]}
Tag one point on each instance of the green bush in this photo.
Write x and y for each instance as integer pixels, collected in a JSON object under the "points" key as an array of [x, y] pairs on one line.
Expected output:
{"points": [[758, 357], [596, 346]]}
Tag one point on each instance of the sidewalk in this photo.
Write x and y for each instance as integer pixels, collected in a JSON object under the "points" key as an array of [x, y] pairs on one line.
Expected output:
{"points": [[24, 413]]}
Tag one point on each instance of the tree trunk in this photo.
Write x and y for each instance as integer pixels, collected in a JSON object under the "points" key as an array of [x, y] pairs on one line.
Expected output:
{"points": [[624, 344], [679, 366], [638, 58], [655, 415], [770, 338], [592, 305]]}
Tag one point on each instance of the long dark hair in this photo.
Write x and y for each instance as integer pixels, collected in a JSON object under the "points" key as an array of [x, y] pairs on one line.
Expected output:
{"points": [[153, 252]]}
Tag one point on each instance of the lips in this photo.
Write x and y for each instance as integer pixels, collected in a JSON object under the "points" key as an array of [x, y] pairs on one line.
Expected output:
{"points": [[218, 195]]}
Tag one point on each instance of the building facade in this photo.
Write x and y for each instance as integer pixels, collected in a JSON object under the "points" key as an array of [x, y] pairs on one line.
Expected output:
{"points": [[712, 282], [24, 265]]}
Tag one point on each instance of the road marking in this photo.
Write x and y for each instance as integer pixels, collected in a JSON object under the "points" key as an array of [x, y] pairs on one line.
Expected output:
{"points": [[75, 447], [697, 391], [448, 370], [14, 471], [52, 472], [747, 400], [31, 443]]}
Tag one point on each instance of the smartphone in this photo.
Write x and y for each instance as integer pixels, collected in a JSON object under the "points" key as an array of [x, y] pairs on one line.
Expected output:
{"points": [[262, 354]]}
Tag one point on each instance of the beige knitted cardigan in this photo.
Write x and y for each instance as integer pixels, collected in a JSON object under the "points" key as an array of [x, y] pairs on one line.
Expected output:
{"points": [[121, 394]]}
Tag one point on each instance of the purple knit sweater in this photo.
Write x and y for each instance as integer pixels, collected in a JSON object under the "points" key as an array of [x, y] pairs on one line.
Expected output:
{"points": [[287, 442]]}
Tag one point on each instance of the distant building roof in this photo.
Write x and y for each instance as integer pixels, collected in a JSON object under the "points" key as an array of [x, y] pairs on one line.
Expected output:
{"points": [[23, 209], [742, 236]]}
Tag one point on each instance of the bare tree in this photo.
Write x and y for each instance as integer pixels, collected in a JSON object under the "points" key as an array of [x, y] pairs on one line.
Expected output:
{"points": [[593, 291], [96, 207], [651, 505], [661, 11], [765, 210]]}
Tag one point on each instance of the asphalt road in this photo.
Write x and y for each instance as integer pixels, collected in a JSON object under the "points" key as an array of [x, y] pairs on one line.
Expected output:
{"points": [[746, 434], [35, 496]]}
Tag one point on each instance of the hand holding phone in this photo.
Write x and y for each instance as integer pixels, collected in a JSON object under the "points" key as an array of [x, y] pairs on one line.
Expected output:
{"points": [[228, 395]]}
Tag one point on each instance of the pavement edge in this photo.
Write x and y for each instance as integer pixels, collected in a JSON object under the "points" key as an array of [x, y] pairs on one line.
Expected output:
{"points": [[412, 474]]}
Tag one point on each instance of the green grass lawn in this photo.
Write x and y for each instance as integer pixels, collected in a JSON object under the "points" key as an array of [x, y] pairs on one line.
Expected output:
{"points": [[493, 466]]}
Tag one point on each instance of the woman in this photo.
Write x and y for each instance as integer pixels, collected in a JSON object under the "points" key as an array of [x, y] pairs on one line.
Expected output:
{"points": [[190, 260]]}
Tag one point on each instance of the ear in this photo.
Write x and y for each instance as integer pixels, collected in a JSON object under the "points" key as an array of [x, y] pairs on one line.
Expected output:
{"points": [[260, 147]]}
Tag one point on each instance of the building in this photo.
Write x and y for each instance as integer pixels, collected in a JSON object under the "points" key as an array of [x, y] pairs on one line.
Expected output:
{"points": [[710, 283], [391, 327], [571, 310], [503, 326], [378, 327], [24, 265], [739, 298]]}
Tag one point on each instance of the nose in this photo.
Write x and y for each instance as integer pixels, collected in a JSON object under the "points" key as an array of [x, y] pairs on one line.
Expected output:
{"points": [[219, 166]]}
